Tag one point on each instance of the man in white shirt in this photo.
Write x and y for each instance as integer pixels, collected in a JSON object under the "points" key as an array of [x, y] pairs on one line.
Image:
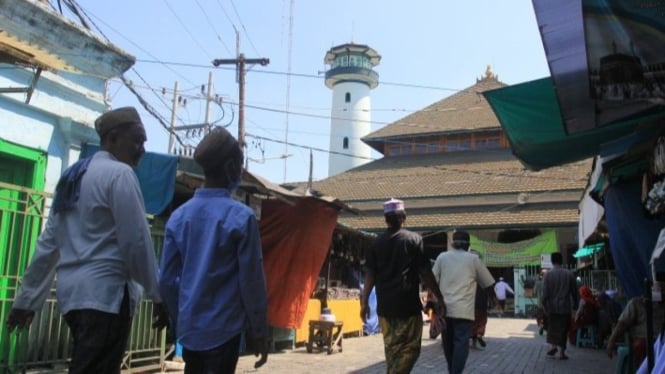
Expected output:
{"points": [[501, 289], [458, 272], [98, 241]]}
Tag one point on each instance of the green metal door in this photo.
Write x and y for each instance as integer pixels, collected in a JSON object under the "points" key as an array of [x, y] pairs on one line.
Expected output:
{"points": [[21, 212]]}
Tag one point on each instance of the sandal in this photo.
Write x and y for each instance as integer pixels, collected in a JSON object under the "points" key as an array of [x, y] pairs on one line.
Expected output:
{"points": [[552, 352]]}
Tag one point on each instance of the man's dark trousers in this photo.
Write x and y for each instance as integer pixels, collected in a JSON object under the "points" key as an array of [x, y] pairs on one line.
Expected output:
{"points": [[100, 339], [220, 360], [456, 343]]}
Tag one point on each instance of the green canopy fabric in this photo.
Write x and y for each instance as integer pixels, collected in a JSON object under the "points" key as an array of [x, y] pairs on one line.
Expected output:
{"points": [[526, 252], [529, 114]]}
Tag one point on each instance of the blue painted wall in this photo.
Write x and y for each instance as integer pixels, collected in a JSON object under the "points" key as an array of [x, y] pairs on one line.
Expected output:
{"points": [[58, 119]]}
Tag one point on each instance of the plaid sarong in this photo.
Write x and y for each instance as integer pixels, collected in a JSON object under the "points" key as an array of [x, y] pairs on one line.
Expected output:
{"points": [[401, 338]]}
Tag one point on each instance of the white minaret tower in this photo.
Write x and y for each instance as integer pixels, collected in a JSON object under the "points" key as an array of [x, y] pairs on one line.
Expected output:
{"points": [[351, 77]]}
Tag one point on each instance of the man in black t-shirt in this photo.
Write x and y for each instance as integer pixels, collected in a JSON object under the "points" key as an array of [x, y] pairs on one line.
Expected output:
{"points": [[395, 264]]}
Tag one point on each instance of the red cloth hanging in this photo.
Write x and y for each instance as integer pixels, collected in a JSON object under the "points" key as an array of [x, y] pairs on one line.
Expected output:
{"points": [[295, 241]]}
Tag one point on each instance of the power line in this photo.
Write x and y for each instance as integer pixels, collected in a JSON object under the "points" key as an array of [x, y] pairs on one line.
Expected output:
{"points": [[125, 81], [308, 147], [205, 14], [241, 62], [153, 91], [523, 173], [266, 106], [299, 75], [182, 24], [150, 109], [244, 29], [326, 109], [303, 75], [226, 14], [165, 90], [156, 60], [328, 117], [374, 122]]}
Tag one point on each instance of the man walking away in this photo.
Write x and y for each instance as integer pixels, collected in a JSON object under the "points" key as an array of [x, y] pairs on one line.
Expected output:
{"points": [[98, 242], [457, 273], [501, 289], [560, 298], [395, 264]]}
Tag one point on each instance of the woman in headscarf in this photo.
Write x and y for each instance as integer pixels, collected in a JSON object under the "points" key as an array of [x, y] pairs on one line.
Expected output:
{"points": [[587, 311]]}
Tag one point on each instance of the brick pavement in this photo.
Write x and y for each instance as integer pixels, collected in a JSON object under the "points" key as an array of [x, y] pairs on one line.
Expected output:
{"points": [[513, 346]]}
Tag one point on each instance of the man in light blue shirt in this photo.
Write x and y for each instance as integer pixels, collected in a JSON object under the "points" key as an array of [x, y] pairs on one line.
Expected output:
{"points": [[212, 277], [97, 239]]}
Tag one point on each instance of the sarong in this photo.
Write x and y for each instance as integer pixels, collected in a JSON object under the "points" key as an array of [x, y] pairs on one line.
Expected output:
{"points": [[401, 339], [558, 326]]}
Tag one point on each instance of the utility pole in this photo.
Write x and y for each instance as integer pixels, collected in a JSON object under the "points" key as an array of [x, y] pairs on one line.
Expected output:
{"points": [[208, 99], [173, 112], [311, 171], [241, 63], [196, 130]]}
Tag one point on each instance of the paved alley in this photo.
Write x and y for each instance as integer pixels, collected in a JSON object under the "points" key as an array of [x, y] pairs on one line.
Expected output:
{"points": [[513, 346]]}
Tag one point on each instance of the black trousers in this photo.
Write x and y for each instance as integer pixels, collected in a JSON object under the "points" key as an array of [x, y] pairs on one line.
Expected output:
{"points": [[219, 360], [100, 339]]}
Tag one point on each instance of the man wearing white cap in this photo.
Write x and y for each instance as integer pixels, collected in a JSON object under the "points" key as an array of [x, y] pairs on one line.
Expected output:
{"points": [[501, 289], [395, 264]]}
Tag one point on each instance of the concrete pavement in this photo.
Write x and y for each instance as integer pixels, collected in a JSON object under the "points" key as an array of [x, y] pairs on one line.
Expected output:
{"points": [[513, 346]]}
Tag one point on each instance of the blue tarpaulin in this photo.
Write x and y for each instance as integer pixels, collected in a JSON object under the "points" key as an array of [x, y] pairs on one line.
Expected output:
{"points": [[156, 173], [632, 235]]}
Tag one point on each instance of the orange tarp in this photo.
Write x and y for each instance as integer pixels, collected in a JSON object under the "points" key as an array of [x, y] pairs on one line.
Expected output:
{"points": [[295, 241]]}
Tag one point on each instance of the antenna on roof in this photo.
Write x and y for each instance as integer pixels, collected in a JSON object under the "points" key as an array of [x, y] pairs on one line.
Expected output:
{"points": [[353, 26]]}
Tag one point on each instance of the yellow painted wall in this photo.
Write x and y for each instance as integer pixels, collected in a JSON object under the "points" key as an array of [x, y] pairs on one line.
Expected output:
{"points": [[347, 311], [313, 312]]}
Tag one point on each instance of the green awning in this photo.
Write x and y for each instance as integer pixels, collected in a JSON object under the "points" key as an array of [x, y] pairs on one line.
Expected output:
{"points": [[530, 116], [589, 250]]}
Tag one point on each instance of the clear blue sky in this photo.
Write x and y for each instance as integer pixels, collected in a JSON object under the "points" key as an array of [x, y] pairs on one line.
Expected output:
{"points": [[430, 49]]}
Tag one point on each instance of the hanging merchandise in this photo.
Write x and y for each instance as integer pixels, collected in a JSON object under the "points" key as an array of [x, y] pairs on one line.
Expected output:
{"points": [[655, 203], [658, 167], [655, 199]]}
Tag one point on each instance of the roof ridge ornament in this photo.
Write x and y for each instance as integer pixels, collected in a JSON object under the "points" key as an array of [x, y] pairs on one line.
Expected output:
{"points": [[489, 74]]}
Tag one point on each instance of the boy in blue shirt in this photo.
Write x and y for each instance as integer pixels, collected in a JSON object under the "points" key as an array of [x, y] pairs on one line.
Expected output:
{"points": [[212, 275]]}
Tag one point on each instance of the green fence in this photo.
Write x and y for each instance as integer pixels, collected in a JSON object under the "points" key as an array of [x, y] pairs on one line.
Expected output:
{"points": [[47, 343]]}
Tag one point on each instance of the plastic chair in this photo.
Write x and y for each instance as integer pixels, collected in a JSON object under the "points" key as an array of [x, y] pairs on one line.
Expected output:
{"points": [[586, 336]]}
